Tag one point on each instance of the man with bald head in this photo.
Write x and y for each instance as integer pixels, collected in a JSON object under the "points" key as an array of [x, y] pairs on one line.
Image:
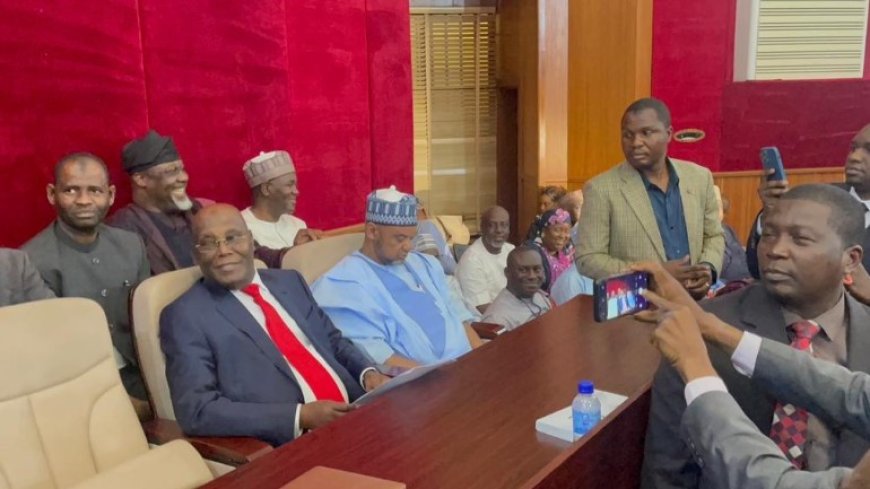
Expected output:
{"points": [[78, 256], [481, 269], [248, 352], [572, 202], [522, 300], [392, 301], [857, 183]]}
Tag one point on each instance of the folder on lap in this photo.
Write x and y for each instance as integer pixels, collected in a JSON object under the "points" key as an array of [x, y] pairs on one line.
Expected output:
{"points": [[326, 478]]}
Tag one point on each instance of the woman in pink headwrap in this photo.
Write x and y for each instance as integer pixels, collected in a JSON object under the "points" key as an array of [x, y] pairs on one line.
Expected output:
{"points": [[555, 243]]}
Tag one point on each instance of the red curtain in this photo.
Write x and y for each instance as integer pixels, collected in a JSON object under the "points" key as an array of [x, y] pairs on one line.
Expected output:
{"points": [[327, 80]]}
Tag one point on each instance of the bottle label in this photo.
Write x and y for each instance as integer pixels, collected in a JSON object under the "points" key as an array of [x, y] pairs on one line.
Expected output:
{"points": [[585, 421]]}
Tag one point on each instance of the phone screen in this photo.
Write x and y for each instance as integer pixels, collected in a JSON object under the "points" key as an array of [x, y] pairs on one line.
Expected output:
{"points": [[620, 295]]}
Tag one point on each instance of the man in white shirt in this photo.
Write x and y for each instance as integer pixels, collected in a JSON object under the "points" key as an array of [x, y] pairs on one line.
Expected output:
{"points": [[250, 353], [522, 300], [481, 270], [274, 189], [722, 438]]}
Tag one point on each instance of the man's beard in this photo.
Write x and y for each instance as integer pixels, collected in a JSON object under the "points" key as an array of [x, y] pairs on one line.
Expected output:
{"points": [[181, 201]]}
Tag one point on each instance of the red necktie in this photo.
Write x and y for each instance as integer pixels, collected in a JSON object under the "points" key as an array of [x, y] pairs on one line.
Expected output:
{"points": [[315, 375], [789, 428]]}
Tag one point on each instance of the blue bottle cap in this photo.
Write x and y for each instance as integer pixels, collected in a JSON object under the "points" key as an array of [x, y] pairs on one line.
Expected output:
{"points": [[586, 387]]}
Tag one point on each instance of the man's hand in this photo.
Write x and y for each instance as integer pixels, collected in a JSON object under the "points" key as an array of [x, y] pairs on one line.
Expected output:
{"points": [[373, 379], [319, 413], [770, 191], [679, 339], [307, 235], [694, 278], [860, 478], [858, 284]]}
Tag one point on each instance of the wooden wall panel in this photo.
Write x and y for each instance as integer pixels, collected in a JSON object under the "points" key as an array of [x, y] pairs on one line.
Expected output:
{"points": [[610, 51], [553, 96], [519, 67], [741, 188]]}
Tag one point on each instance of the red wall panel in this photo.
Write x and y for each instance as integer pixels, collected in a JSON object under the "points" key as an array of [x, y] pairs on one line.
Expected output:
{"points": [[327, 80], [330, 132], [691, 61], [216, 76], [72, 81], [693, 53], [388, 34]]}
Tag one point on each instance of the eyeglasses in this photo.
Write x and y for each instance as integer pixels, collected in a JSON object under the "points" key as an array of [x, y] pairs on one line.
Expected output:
{"points": [[211, 245]]}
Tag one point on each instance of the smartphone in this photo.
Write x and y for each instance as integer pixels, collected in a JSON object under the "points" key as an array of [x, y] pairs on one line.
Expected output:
{"points": [[771, 159], [620, 295]]}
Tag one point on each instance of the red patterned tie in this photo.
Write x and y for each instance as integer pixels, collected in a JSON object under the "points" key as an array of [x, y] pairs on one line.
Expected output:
{"points": [[318, 379], [789, 428]]}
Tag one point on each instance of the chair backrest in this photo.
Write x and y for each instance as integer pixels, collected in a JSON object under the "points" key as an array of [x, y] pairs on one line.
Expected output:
{"points": [[315, 258], [454, 229], [64, 414], [149, 300]]}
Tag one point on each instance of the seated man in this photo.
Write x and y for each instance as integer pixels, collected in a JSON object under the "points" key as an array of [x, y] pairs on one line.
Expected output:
{"points": [[857, 183], [734, 265], [810, 243], [390, 300], [161, 211], [725, 442], [78, 256], [19, 279], [272, 178], [249, 353], [481, 268], [522, 300]]}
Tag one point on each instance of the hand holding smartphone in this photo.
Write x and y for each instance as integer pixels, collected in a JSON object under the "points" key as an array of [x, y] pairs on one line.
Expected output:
{"points": [[620, 295], [772, 160]]}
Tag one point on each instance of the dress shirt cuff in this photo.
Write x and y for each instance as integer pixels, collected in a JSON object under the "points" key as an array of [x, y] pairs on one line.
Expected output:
{"points": [[703, 385], [362, 376], [746, 354], [297, 428]]}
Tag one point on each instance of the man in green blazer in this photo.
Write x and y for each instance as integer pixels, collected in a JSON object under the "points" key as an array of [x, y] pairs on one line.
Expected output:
{"points": [[651, 207]]}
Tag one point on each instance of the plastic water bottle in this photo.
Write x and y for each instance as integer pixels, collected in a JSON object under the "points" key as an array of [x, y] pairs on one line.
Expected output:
{"points": [[586, 409]]}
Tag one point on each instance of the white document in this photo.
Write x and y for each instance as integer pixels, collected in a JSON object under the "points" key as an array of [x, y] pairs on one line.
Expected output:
{"points": [[561, 423], [402, 379]]}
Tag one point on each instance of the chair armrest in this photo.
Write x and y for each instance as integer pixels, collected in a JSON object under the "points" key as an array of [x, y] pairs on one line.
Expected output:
{"points": [[488, 331], [233, 451]]}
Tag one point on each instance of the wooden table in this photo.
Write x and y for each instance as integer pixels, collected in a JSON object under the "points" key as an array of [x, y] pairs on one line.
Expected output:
{"points": [[471, 424]]}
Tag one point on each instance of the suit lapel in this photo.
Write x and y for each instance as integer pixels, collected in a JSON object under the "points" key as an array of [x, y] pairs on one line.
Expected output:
{"points": [[690, 211], [236, 314], [763, 314], [636, 195], [858, 339]]}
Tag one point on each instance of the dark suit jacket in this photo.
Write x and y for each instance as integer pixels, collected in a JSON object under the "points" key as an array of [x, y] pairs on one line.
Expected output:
{"points": [[668, 462], [19, 279], [226, 376], [752, 242]]}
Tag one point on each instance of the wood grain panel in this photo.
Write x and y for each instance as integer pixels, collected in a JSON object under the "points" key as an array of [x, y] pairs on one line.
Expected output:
{"points": [[519, 67], [610, 66], [741, 188]]}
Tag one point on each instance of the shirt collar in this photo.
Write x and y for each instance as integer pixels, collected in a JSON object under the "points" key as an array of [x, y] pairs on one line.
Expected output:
{"points": [[853, 193], [831, 321], [673, 178], [67, 240]]}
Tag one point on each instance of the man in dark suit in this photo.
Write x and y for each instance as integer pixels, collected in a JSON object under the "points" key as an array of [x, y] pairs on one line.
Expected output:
{"points": [[857, 172], [811, 242], [250, 353], [19, 279]]}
